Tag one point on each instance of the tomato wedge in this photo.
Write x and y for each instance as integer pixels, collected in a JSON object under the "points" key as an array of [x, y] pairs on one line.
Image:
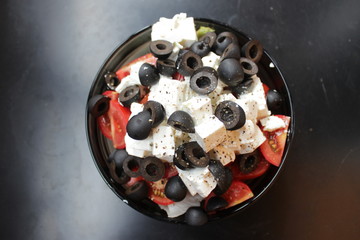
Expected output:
{"points": [[266, 88], [157, 192], [273, 148], [125, 70], [178, 76], [238, 192], [113, 123], [261, 168]]}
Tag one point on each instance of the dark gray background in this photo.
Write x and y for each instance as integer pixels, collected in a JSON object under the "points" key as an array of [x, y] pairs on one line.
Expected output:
{"points": [[50, 53]]}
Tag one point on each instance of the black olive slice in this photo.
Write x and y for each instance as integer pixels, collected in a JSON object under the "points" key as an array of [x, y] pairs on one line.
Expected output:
{"points": [[179, 57], [209, 38], [161, 49], [274, 100], [242, 88], [139, 126], [166, 67], [249, 162], [204, 80], [223, 40], [230, 72], [180, 160], [216, 203], [195, 216], [224, 183], [111, 80], [131, 166], [182, 121], [148, 74], [157, 112], [252, 50], [231, 51], [175, 189], [138, 191], [249, 67], [195, 155], [231, 114], [98, 105], [129, 95], [217, 170], [188, 63], [152, 169], [200, 48], [115, 163]]}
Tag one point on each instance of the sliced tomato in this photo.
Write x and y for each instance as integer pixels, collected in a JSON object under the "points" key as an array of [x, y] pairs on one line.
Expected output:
{"points": [[178, 76], [132, 181], [238, 192], [104, 124], [125, 70], [261, 168], [157, 192], [266, 88], [273, 148], [113, 123]]}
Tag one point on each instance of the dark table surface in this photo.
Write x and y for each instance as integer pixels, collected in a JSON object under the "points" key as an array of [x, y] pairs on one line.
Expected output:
{"points": [[50, 53]]}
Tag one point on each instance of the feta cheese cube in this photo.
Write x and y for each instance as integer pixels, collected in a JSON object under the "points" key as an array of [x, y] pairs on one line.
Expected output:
{"points": [[256, 92], [198, 107], [169, 93], [211, 60], [164, 143], [179, 208], [188, 92], [250, 107], [139, 148], [257, 139], [232, 140], [179, 29], [226, 97], [210, 133], [223, 154], [272, 123], [246, 132], [135, 108], [181, 137], [198, 180]]}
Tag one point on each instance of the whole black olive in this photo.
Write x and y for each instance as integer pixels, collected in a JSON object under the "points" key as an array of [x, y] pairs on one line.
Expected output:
{"points": [[148, 74], [139, 126], [182, 121], [274, 100], [224, 183], [216, 203], [157, 112], [175, 189], [200, 48], [230, 72], [195, 216], [231, 51], [115, 162]]}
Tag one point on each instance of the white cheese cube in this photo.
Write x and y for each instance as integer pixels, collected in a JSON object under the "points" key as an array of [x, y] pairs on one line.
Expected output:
{"points": [[226, 97], [169, 93], [135, 108], [198, 180], [188, 92], [246, 132], [164, 143], [181, 137], [179, 208], [257, 139], [198, 107], [178, 29], [232, 140], [272, 123], [210, 133], [139, 148], [250, 107], [256, 92], [176, 48], [211, 60], [223, 154]]}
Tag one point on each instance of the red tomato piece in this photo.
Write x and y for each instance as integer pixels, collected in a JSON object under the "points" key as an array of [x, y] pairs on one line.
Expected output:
{"points": [[266, 88], [261, 168], [178, 76], [114, 120], [157, 192], [273, 148], [238, 192], [132, 181], [125, 70]]}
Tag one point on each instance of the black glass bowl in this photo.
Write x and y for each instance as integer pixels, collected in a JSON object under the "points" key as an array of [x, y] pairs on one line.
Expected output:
{"points": [[136, 46]]}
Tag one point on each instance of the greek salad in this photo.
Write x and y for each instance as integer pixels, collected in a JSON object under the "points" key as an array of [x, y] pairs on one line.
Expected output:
{"points": [[191, 122]]}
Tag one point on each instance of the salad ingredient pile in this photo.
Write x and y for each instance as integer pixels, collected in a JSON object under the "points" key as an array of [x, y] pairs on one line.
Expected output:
{"points": [[191, 121]]}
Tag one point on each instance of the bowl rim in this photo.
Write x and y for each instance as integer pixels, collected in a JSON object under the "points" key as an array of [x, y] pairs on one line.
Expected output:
{"points": [[235, 209]]}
